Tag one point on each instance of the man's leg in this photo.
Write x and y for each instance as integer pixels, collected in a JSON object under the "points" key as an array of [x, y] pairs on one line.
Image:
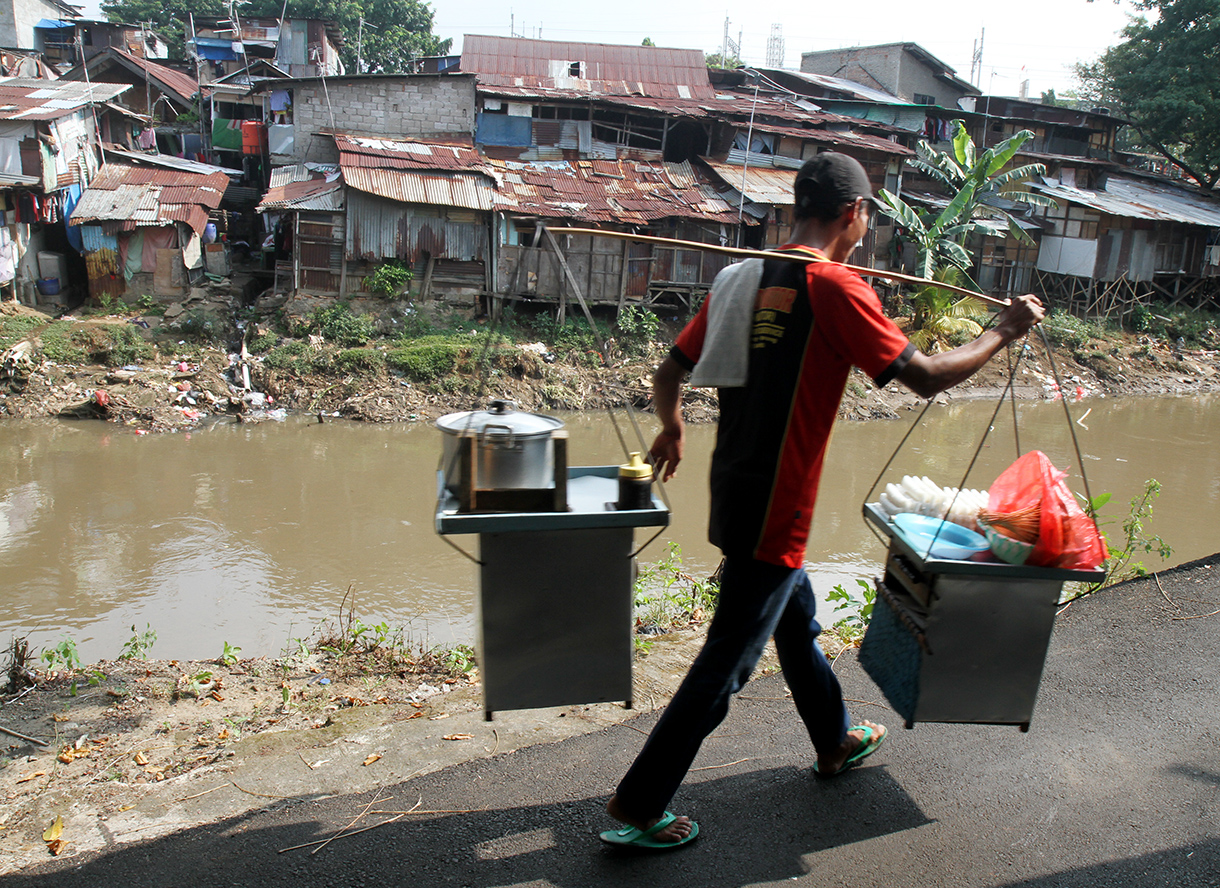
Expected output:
{"points": [[815, 688], [752, 597]]}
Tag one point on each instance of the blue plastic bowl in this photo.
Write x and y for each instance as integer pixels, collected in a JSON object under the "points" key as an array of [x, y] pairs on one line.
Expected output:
{"points": [[936, 538]]}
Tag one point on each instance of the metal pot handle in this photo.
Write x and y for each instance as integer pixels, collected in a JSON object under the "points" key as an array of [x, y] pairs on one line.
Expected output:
{"points": [[505, 440]]}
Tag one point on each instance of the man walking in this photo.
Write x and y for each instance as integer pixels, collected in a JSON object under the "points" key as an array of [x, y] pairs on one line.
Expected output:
{"points": [[778, 338]]}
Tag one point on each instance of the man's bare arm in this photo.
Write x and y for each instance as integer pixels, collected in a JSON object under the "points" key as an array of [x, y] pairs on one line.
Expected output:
{"points": [[666, 450], [928, 375]]}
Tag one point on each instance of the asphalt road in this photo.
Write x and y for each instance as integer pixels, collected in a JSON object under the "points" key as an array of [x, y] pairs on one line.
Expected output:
{"points": [[1116, 784]]}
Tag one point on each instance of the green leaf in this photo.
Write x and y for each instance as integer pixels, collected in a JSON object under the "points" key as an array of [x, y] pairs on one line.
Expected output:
{"points": [[951, 213], [1004, 152], [898, 210], [963, 145]]}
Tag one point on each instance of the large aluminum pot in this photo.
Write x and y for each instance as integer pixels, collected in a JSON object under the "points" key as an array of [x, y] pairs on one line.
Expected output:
{"points": [[512, 449]]}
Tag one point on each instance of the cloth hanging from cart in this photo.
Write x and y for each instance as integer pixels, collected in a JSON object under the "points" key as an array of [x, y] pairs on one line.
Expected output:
{"points": [[730, 316]]}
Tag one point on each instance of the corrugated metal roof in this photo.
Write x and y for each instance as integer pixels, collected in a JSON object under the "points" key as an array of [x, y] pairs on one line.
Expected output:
{"points": [[169, 162], [471, 192], [1137, 199], [585, 68], [838, 84], [25, 98], [759, 184], [312, 194], [300, 172], [151, 197], [183, 84], [842, 138], [356, 151], [629, 192]]}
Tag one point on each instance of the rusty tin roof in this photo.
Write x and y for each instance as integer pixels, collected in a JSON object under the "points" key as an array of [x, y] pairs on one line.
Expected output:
{"points": [[587, 68], [28, 98], [626, 192], [129, 197]]}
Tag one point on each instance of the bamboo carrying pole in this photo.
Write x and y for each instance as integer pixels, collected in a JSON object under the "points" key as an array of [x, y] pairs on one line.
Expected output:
{"points": [[792, 257]]}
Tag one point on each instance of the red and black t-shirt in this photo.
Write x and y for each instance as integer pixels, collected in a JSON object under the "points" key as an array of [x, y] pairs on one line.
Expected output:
{"points": [[812, 322]]}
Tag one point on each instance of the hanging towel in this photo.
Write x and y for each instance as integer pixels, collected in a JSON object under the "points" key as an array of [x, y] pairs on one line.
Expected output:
{"points": [[730, 316]]}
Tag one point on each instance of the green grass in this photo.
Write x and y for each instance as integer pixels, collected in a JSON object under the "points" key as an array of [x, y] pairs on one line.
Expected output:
{"points": [[14, 329]]}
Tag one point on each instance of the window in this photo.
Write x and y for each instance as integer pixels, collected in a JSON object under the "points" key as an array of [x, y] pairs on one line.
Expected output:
{"points": [[576, 69], [924, 99]]}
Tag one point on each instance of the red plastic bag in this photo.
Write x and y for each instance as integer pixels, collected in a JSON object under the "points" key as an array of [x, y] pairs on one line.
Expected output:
{"points": [[1067, 537]]}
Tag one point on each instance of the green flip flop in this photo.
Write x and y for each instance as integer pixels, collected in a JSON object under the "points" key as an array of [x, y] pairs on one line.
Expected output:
{"points": [[630, 837], [869, 743]]}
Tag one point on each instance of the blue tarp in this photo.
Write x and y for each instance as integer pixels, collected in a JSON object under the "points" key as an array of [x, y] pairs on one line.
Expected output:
{"points": [[72, 196], [48, 23], [215, 50], [501, 129]]}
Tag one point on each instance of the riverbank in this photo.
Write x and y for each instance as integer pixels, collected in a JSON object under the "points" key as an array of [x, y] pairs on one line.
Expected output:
{"points": [[150, 375], [135, 749]]}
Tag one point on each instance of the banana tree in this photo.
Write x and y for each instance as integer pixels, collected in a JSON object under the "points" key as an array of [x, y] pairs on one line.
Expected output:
{"points": [[983, 172], [975, 179]]}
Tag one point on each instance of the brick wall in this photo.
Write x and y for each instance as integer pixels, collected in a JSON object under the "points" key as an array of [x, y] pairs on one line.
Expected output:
{"points": [[420, 105]]}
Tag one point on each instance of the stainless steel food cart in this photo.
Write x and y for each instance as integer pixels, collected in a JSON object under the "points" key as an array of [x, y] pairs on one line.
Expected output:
{"points": [[555, 594], [960, 641]]}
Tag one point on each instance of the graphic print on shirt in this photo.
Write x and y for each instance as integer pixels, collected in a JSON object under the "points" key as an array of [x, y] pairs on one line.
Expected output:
{"points": [[772, 302]]}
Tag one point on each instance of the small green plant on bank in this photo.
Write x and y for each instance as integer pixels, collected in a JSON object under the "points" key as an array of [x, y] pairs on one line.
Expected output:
{"points": [[1072, 332], [459, 660], [666, 597], [389, 280], [851, 628], [338, 324], [230, 654], [62, 656], [637, 329], [138, 646], [1133, 541]]}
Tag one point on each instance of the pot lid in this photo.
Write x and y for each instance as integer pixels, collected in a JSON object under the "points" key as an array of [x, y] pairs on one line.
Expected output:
{"points": [[499, 413]]}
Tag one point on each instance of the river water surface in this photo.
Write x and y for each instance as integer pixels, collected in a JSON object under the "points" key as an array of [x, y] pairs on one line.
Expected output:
{"points": [[252, 534]]}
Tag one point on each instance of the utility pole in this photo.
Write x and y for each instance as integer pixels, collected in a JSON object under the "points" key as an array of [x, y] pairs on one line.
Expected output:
{"points": [[359, 47], [976, 58]]}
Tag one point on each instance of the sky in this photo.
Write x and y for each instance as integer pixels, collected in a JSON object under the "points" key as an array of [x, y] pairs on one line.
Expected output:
{"points": [[1037, 40]]}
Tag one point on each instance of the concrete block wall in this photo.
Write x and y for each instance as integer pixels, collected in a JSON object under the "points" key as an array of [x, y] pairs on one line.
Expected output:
{"points": [[421, 105]]}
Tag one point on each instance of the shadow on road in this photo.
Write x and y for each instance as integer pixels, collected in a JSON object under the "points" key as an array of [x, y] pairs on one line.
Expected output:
{"points": [[757, 825]]}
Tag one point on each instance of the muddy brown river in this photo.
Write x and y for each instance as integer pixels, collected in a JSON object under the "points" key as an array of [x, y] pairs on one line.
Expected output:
{"points": [[252, 534]]}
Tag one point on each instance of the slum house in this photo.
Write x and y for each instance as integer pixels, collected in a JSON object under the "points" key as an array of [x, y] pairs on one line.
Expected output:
{"points": [[66, 43], [305, 212], [424, 204], [19, 17], [48, 153], [545, 100], [158, 94], [1125, 240], [310, 114], [905, 70], [306, 110], [300, 47], [144, 224], [254, 48]]}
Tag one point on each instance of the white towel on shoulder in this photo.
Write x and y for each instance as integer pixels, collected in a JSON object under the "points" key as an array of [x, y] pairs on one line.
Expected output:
{"points": [[730, 316]]}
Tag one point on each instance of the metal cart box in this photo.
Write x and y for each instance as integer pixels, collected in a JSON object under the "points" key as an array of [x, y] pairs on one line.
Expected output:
{"points": [[555, 595], [960, 641]]}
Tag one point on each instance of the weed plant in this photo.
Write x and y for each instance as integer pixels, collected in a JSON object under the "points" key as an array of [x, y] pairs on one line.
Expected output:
{"points": [[1133, 541], [859, 605], [666, 597], [138, 646]]}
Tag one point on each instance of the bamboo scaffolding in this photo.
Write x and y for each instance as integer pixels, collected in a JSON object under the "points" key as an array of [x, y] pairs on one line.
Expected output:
{"points": [[792, 257]]}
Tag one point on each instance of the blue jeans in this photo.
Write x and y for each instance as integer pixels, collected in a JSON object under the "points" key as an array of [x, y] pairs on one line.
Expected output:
{"points": [[757, 600]]}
